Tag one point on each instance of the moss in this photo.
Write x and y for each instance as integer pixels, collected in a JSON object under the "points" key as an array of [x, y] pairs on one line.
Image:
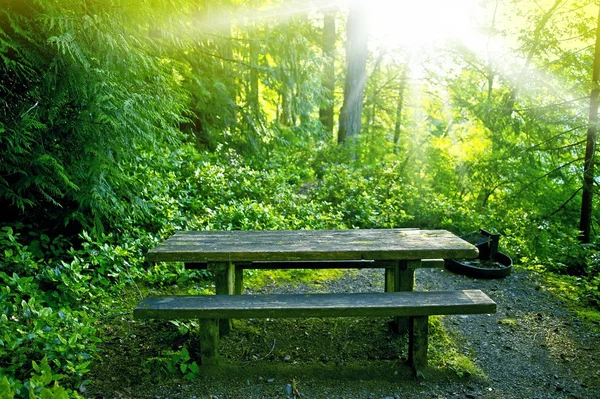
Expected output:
{"points": [[592, 315], [255, 279], [508, 322], [444, 353], [574, 292]]}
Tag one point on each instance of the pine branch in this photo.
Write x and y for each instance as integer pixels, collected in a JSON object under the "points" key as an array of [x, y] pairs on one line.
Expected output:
{"points": [[534, 147], [546, 175], [563, 147], [560, 208]]}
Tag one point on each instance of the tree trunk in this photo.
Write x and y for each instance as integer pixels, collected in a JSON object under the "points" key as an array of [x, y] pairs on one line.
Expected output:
{"points": [[400, 106], [326, 110], [285, 113], [254, 50], [223, 37], [356, 62], [254, 90], [585, 222]]}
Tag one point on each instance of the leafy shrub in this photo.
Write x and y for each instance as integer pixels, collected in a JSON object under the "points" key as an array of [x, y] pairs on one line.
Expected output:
{"points": [[50, 305], [43, 383], [37, 320]]}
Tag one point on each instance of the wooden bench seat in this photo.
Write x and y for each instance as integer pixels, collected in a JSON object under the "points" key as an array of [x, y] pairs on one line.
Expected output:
{"points": [[416, 305]]}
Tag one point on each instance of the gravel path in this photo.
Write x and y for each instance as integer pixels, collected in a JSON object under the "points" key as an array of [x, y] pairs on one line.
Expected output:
{"points": [[534, 347]]}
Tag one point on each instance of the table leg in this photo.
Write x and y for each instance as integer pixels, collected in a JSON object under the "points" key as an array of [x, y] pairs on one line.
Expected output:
{"points": [[418, 338], [392, 275], [209, 341], [224, 285], [398, 279], [239, 279], [406, 280]]}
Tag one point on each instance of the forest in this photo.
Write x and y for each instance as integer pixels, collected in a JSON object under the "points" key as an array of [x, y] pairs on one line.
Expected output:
{"points": [[124, 121]]}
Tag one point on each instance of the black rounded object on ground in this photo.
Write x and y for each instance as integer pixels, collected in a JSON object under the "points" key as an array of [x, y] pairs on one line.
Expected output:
{"points": [[500, 267], [489, 264]]}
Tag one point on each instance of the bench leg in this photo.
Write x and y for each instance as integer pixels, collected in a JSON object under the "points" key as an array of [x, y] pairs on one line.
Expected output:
{"points": [[417, 343], [406, 283], [224, 285], [209, 342]]}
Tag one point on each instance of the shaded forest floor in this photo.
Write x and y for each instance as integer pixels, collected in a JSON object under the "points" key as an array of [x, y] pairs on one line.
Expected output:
{"points": [[534, 347]]}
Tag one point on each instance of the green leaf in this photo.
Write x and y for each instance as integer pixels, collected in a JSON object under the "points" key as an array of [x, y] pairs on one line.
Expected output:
{"points": [[194, 368], [5, 389], [184, 354]]}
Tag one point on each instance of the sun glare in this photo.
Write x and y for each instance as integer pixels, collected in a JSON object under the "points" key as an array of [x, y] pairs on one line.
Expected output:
{"points": [[424, 23]]}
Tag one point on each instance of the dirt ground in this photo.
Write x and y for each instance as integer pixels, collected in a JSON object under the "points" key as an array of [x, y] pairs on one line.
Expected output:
{"points": [[533, 347]]}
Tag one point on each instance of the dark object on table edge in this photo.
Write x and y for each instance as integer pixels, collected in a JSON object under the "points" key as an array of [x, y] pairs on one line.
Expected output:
{"points": [[489, 264]]}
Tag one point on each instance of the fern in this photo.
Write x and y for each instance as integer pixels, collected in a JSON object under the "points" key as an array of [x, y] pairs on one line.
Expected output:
{"points": [[85, 97]]}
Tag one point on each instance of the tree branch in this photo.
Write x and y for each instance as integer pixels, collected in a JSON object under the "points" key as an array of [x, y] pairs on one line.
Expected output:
{"points": [[560, 208], [533, 147], [546, 175]]}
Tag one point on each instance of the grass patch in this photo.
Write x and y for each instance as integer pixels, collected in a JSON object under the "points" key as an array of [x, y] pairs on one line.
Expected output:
{"points": [[444, 353], [574, 291], [511, 323], [592, 315]]}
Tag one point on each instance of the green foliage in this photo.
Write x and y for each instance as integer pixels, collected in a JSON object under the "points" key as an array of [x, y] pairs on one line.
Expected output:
{"points": [[36, 321], [84, 103], [181, 362], [43, 384], [118, 128], [50, 305], [174, 363]]}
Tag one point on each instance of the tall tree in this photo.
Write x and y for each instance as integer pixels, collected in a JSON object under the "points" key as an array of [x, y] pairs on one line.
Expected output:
{"points": [[356, 74], [326, 110], [400, 106], [585, 222]]}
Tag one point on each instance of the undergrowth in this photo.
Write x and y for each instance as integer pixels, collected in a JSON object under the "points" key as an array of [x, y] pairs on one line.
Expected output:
{"points": [[57, 290]]}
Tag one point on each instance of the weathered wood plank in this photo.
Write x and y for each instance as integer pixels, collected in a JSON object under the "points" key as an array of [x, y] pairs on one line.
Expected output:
{"points": [[326, 264], [320, 264], [310, 245], [316, 305]]}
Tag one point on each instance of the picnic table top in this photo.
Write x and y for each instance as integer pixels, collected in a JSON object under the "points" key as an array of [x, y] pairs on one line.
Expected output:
{"points": [[311, 245]]}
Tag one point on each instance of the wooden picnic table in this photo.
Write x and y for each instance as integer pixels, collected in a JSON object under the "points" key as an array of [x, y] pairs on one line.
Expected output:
{"points": [[311, 245], [227, 253], [399, 251]]}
